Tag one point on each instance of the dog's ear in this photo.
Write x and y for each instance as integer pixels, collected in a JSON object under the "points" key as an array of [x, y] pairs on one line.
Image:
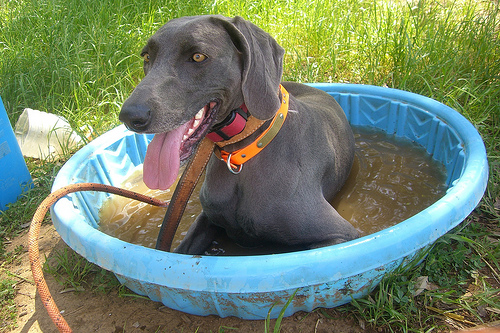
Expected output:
{"points": [[262, 67]]}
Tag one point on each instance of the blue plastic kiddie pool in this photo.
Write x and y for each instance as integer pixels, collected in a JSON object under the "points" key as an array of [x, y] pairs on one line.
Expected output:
{"points": [[248, 286]]}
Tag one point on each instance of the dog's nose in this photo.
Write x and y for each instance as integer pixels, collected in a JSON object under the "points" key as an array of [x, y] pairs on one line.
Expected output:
{"points": [[135, 116]]}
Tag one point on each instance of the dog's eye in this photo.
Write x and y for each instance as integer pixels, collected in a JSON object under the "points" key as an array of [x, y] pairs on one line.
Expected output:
{"points": [[199, 57], [146, 57]]}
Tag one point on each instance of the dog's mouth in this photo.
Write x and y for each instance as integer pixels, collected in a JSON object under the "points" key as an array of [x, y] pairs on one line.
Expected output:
{"points": [[197, 129], [168, 150]]}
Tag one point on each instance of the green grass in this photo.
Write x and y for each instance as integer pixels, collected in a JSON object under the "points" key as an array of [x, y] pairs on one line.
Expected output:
{"points": [[8, 311], [75, 273], [454, 278], [277, 322], [21, 212], [8, 282], [80, 59]]}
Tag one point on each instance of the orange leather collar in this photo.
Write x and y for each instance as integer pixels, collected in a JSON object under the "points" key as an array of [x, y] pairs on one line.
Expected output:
{"points": [[236, 159]]}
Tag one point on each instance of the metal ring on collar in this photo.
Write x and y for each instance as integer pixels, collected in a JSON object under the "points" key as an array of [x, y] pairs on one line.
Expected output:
{"points": [[230, 167]]}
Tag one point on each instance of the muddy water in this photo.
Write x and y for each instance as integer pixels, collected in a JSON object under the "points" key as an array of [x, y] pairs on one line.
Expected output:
{"points": [[391, 180]]}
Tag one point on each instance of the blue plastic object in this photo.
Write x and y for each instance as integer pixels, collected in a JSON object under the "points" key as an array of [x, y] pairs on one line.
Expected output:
{"points": [[247, 287], [14, 175]]}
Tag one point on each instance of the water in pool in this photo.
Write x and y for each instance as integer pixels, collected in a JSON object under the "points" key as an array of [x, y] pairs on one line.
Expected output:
{"points": [[391, 180]]}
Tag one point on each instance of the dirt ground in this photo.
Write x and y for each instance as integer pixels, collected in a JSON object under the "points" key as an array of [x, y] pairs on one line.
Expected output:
{"points": [[89, 311]]}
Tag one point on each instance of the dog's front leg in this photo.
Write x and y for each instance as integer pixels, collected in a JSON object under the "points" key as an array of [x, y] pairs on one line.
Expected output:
{"points": [[199, 236]]}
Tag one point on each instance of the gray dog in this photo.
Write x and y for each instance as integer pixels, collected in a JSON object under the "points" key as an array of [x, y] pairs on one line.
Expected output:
{"points": [[199, 72]]}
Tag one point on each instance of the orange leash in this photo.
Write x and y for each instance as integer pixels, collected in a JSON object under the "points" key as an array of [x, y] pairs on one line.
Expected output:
{"points": [[34, 232]]}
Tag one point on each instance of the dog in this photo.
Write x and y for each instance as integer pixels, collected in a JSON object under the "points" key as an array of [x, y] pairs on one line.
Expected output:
{"points": [[200, 71]]}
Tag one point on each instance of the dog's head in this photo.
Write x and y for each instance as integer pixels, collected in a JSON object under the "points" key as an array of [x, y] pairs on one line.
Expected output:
{"points": [[197, 70]]}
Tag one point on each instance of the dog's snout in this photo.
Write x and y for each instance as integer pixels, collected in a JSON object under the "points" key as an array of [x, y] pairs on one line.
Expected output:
{"points": [[136, 117]]}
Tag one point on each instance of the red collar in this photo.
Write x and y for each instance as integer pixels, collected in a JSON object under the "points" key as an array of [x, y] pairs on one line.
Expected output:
{"points": [[234, 124]]}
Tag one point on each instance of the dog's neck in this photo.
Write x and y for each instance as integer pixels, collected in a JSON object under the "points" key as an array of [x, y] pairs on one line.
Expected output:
{"points": [[233, 124], [258, 132]]}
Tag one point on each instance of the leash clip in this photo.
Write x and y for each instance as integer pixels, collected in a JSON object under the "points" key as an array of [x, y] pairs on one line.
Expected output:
{"points": [[234, 171]]}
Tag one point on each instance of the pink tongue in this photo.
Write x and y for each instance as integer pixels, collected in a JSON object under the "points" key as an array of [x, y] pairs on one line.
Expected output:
{"points": [[162, 161]]}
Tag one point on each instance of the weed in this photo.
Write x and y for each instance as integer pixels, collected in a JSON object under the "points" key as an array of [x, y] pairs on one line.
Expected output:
{"points": [[451, 263], [104, 281], [69, 269], [125, 292], [277, 324], [74, 272], [8, 309], [13, 256], [224, 329]]}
